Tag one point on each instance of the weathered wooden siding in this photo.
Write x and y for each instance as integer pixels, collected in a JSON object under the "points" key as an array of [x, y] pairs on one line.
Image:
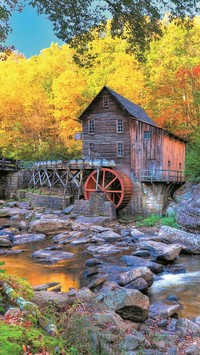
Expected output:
{"points": [[173, 153], [146, 153], [106, 137]]}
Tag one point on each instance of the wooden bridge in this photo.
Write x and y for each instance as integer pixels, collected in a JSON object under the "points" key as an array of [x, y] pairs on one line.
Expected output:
{"points": [[8, 164]]}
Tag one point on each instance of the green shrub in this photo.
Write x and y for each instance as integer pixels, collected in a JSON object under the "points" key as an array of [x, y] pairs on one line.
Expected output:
{"points": [[158, 220]]}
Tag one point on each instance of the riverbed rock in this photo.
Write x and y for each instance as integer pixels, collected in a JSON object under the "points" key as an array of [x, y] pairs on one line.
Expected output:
{"points": [[129, 304], [93, 262], [139, 284], [163, 310], [67, 237], [163, 251], [92, 220], [127, 277], [50, 226], [45, 298], [105, 249], [109, 236], [5, 240], [89, 272], [186, 326], [190, 242], [27, 238], [23, 225], [80, 241], [132, 341], [51, 256], [135, 261]]}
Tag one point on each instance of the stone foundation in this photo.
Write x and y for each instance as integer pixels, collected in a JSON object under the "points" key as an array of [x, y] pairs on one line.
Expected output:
{"points": [[98, 205], [148, 199]]}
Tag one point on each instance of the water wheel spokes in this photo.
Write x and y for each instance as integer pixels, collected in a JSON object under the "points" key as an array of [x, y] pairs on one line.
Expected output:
{"points": [[116, 186]]}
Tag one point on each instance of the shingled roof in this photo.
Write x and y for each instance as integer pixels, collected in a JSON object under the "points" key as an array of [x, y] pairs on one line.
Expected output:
{"points": [[133, 109]]}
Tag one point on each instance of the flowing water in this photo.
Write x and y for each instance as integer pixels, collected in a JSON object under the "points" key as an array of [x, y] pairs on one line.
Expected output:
{"points": [[184, 285]]}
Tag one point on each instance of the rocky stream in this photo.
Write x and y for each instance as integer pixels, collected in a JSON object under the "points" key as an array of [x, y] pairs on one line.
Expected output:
{"points": [[139, 287]]}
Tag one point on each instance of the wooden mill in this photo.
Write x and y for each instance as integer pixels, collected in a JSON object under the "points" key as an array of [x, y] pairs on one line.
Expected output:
{"points": [[126, 155]]}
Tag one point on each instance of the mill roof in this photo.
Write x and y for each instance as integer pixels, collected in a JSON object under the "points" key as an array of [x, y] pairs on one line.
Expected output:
{"points": [[133, 109]]}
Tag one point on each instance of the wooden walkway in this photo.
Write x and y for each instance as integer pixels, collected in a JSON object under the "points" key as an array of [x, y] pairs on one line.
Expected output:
{"points": [[162, 176], [8, 164]]}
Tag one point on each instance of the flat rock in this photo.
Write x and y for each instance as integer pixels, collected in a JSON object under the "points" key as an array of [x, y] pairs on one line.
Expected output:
{"points": [[53, 256], [68, 209], [190, 242], [5, 240], [105, 249], [135, 261], [27, 238], [80, 241], [162, 310], [92, 220], [93, 262], [50, 226], [67, 237], [109, 236]]}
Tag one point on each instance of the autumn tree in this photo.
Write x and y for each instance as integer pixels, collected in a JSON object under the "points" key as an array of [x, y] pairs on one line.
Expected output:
{"points": [[172, 77]]}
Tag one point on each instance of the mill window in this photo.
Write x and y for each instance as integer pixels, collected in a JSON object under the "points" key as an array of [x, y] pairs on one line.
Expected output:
{"points": [[91, 149], [120, 149], [146, 135], [91, 127], [106, 101], [120, 125]]}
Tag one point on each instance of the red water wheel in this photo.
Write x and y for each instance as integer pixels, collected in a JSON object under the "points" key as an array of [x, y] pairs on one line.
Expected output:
{"points": [[115, 184]]}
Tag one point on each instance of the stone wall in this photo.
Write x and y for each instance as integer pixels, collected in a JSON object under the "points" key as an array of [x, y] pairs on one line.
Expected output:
{"points": [[53, 202]]}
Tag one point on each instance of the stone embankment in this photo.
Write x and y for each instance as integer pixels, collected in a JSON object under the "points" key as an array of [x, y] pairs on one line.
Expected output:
{"points": [[115, 304]]}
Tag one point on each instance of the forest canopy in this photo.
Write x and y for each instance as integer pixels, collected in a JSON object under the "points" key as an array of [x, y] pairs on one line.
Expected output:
{"points": [[73, 21], [42, 97]]}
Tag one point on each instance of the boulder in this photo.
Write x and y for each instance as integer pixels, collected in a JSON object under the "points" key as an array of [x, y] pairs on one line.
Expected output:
{"points": [[163, 310], [190, 242], [132, 341], [127, 277], [27, 238], [110, 317], [162, 251], [50, 226], [129, 304], [139, 284], [187, 206], [135, 261]]}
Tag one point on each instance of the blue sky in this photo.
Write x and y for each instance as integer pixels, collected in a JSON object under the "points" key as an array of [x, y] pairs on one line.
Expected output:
{"points": [[31, 32]]}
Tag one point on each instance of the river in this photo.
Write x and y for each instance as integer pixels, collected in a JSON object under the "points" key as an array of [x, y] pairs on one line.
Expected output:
{"points": [[185, 285]]}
